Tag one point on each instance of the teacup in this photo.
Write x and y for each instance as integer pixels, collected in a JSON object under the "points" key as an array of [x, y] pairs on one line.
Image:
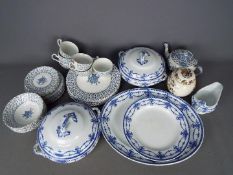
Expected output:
{"points": [[66, 50], [102, 66], [81, 62], [206, 99]]}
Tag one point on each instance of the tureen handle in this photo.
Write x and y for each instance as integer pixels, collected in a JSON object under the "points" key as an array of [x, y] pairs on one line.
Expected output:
{"points": [[55, 58], [198, 70], [97, 111], [142, 57], [166, 50], [37, 150], [59, 41]]}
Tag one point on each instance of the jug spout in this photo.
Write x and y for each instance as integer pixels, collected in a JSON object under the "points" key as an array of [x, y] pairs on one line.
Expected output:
{"points": [[166, 50]]}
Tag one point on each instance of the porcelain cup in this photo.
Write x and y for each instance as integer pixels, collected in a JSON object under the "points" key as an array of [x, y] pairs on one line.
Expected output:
{"points": [[81, 62], [206, 99], [102, 66], [66, 50]]}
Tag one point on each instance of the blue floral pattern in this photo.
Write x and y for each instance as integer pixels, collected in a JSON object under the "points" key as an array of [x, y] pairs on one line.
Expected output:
{"points": [[201, 107], [27, 114], [169, 153], [62, 129], [123, 98], [42, 80], [183, 58], [93, 79], [138, 79], [68, 156]]}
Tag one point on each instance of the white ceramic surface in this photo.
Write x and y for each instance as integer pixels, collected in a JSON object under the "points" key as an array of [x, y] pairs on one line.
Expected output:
{"points": [[42, 80], [206, 99], [155, 127], [24, 112], [181, 82], [67, 132], [102, 66], [142, 66], [93, 89], [81, 62], [67, 48], [112, 124], [181, 58]]}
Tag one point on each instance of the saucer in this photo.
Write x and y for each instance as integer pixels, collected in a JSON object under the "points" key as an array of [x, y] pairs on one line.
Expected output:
{"points": [[156, 128], [92, 88], [42, 80]]}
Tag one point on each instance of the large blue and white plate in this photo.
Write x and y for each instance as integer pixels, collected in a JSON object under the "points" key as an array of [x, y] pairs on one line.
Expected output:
{"points": [[156, 128], [112, 124], [68, 133], [141, 66]]}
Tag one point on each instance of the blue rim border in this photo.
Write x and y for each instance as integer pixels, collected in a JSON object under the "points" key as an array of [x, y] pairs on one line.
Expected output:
{"points": [[153, 163]]}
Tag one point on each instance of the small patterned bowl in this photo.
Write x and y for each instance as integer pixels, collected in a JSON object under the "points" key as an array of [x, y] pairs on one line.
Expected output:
{"points": [[24, 112]]}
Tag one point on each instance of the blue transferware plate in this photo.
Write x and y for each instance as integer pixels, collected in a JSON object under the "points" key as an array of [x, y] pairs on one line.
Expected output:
{"points": [[156, 128], [112, 124]]}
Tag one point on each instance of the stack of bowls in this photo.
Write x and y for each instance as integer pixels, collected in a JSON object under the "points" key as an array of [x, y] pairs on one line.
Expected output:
{"points": [[46, 82]]}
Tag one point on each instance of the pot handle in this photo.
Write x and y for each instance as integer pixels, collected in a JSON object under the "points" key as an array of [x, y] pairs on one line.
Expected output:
{"points": [[55, 57], [37, 150], [59, 41], [198, 71]]}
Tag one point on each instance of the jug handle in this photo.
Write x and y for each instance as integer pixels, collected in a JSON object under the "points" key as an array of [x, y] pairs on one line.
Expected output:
{"points": [[198, 71]]}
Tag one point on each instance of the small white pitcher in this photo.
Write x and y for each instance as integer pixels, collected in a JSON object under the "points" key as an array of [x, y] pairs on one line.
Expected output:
{"points": [[206, 99]]}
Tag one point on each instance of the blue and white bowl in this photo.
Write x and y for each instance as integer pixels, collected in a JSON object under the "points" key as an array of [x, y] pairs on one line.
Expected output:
{"points": [[68, 133], [24, 112]]}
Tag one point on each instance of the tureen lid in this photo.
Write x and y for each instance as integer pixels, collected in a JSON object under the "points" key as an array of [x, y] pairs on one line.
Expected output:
{"points": [[141, 64], [68, 131]]}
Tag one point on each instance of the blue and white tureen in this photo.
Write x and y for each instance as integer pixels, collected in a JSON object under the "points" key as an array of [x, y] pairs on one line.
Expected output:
{"points": [[68, 133], [141, 66]]}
